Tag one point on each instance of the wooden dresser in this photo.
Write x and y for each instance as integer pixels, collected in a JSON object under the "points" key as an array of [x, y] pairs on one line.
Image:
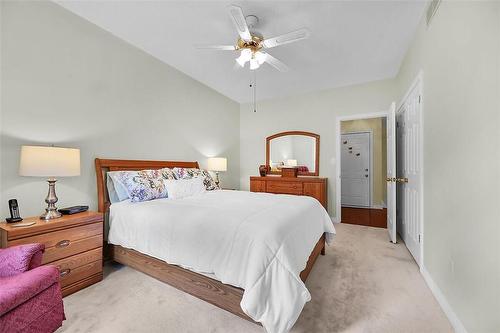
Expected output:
{"points": [[73, 243], [315, 187]]}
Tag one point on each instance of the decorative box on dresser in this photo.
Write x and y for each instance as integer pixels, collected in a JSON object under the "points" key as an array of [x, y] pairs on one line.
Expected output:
{"points": [[73, 243], [315, 187]]}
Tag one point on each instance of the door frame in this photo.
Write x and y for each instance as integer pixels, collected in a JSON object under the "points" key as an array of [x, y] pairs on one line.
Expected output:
{"points": [[370, 158], [338, 186], [418, 80]]}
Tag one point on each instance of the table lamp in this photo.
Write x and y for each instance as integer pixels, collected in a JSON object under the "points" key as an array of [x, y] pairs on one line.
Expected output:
{"points": [[50, 162], [217, 164]]}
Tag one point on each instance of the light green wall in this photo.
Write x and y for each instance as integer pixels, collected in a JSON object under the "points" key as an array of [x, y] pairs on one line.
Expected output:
{"points": [[379, 152], [66, 82], [459, 55], [313, 112]]}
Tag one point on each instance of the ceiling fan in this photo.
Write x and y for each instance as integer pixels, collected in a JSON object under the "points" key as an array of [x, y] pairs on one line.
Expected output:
{"points": [[252, 45]]}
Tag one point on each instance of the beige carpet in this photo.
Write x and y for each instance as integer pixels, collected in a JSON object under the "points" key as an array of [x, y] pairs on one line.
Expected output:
{"points": [[363, 284]]}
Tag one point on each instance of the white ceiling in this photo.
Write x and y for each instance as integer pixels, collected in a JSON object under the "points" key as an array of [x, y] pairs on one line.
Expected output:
{"points": [[351, 41]]}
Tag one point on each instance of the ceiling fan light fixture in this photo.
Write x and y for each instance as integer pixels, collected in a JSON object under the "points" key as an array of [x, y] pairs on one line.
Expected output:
{"points": [[261, 57], [246, 55], [254, 63]]}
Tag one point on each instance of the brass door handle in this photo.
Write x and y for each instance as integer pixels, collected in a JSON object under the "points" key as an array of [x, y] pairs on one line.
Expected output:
{"points": [[389, 179], [402, 180]]}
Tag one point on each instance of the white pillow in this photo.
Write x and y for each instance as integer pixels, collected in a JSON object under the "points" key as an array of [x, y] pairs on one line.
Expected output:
{"points": [[182, 188]]}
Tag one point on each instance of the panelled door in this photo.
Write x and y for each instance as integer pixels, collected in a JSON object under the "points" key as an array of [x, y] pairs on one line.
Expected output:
{"points": [[355, 169], [410, 171], [391, 173]]}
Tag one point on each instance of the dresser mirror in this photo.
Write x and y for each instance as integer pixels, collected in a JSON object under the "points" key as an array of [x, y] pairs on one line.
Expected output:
{"points": [[293, 149]]}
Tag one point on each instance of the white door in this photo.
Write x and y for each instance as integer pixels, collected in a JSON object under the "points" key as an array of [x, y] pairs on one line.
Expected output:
{"points": [[409, 171], [355, 169], [391, 173]]}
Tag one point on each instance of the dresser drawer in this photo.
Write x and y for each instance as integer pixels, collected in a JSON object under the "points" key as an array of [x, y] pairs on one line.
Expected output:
{"points": [[67, 242], [257, 186], [317, 191], [284, 187]]}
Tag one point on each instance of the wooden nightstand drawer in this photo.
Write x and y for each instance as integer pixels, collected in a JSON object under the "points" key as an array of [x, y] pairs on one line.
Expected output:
{"points": [[71, 275], [284, 187], [79, 266], [73, 243], [65, 243]]}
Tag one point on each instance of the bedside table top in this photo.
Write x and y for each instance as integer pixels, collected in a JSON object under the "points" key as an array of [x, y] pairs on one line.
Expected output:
{"points": [[41, 226]]}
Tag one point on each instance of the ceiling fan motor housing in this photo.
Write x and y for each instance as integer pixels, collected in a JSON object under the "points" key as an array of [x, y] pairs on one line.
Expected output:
{"points": [[254, 45]]}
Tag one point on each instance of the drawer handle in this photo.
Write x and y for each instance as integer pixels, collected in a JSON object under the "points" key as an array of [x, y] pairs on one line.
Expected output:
{"points": [[63, 243], [65, 272]]}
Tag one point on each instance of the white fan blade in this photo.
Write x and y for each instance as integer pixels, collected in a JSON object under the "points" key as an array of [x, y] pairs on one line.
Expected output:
{"points": [[276, 63], [216, 47], [286, 38], [239, 22]]}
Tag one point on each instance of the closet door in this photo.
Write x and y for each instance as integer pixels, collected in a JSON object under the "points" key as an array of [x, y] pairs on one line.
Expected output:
{"points": [[391, 172]]}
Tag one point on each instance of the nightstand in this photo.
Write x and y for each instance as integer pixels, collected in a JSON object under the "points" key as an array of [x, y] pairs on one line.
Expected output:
{"points": [[73, 243]]}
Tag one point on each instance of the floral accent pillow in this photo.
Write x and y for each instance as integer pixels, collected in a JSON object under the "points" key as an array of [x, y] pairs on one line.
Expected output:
{"points": [[168, 173], [188, 173], [144, 185]]}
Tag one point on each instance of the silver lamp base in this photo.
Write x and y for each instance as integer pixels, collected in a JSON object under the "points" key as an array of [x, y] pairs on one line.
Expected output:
{"points": [[217, 178], [51, 199]]}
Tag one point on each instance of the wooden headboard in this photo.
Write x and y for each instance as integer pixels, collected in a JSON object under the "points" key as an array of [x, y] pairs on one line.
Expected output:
{"points": [[102, 166]]}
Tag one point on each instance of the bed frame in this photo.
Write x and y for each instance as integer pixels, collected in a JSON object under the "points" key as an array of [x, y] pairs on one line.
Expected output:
{"points": [[212, 291]]}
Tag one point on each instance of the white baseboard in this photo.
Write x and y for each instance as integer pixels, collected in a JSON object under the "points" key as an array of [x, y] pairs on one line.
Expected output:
{"points": [[452, 316]]}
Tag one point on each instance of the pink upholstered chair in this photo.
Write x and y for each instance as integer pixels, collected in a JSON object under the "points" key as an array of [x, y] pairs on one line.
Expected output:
{"points": [[30, 295]]}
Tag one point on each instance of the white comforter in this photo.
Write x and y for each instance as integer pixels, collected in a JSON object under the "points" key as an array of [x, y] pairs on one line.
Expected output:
{"points": [[257, 241]]}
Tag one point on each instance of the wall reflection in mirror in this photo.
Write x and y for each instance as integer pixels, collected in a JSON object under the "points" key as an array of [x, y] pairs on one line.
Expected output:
{"points": [[293, 150]]}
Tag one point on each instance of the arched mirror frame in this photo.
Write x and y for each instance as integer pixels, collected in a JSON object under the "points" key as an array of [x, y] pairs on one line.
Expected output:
{"points": [[316, 162]]}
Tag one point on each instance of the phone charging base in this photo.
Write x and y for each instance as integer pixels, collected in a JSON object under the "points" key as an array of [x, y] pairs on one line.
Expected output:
{"points": [[13, 219]]}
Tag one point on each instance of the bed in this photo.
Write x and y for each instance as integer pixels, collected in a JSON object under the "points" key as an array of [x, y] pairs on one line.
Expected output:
{"points": [[264, 249]]}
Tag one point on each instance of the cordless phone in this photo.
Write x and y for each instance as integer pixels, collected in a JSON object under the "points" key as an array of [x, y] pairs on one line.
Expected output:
{"points": [[14, 212]]}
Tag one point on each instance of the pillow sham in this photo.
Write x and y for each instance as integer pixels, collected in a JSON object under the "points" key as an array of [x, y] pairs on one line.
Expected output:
{"points": [[168, 173], [116, 190], [144, 185], [182, 188], [188, 173]]}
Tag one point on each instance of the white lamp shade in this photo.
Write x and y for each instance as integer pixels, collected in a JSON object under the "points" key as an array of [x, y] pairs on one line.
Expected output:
{"points": [[217, 164], [39, 161]]}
